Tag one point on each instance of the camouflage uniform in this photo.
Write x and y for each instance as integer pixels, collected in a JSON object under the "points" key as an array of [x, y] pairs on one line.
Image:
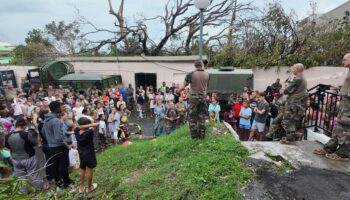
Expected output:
{"points": [[340, 141], [198, 107], [170, 125], [293, 109], [181, 108], [197, 113]]}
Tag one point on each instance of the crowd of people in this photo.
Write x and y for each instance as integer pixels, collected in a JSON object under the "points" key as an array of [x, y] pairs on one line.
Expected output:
{"points": [[44, 134]]}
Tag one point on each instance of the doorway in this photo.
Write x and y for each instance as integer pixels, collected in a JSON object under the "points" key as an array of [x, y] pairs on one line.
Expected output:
{"points": [[146, 79]]}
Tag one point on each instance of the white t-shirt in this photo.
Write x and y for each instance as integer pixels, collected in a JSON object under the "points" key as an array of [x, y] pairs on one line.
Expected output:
{"points": [[101, 127], [50, 99], [169, 98], [151, 100], [78, 112]]}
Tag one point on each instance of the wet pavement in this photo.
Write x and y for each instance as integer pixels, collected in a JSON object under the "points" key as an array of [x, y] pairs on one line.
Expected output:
{"points": [[313, 176]]}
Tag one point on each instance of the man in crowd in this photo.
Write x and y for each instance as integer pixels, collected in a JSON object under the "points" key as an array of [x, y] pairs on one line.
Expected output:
{"points": [[131, 99], [57, 142], [197, 109], [294, 107], [276, 86], [25, 164], [338, 148]]}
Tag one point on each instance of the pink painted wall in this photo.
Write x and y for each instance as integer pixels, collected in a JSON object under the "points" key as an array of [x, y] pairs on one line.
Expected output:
{"points": [[314, 76]]}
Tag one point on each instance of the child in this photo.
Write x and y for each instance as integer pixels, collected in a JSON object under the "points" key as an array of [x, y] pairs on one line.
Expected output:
{"points": [[159, 112], [84, 136], [244, 121], [181, 109], [171, 118], [113, 124], [123, 132], [102, 130], [212, 117], [229, 118], [140, 101]]}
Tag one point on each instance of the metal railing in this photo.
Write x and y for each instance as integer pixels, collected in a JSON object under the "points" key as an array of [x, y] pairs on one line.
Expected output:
{"points": [[322, 109]]}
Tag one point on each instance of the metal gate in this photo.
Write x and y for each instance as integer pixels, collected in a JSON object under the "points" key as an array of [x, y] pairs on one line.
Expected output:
{"points": [[322, 109]]}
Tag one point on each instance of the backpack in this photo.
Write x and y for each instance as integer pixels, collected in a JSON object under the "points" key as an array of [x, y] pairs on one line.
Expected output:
{"points": [[28, 146]]}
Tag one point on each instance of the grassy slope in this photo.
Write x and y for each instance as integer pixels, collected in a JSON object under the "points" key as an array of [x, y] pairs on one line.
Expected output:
{"points": [[173, 167]]}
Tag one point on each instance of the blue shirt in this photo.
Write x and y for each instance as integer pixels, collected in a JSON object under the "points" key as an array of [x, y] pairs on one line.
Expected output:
{"points": [[124, 93], [245, 111], [215, 109]]}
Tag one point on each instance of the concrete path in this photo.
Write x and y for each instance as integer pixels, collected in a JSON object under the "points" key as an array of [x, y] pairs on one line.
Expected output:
{"points": [[300, 154]]}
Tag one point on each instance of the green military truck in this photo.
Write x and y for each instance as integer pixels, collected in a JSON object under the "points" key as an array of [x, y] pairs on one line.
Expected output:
{"points": [[229, 80], [62, 73]]}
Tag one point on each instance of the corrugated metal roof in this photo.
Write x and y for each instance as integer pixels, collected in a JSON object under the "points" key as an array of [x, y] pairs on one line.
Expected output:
{"points": [[132, 59]]}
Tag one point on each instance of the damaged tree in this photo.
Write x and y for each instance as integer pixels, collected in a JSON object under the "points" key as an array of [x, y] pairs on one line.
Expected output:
{"points": [[180, 20]]}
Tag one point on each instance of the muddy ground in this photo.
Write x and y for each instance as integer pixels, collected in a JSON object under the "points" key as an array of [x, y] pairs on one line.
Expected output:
{"points": [[305, 183]]}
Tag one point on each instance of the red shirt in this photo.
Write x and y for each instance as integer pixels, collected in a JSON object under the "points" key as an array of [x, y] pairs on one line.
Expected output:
{"points": [[117, 95], [237, 109]]}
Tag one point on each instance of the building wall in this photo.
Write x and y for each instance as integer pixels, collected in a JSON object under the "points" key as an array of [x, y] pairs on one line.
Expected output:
{"points": [[314, 76], [176, 72], [166, 72]]}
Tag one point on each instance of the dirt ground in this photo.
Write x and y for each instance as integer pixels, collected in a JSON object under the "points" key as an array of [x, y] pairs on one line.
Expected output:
{"points": [[306, 183]]}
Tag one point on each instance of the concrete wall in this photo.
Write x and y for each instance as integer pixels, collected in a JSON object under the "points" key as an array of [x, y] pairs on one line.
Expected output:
{"points": [[175, 72], [314, 76]]}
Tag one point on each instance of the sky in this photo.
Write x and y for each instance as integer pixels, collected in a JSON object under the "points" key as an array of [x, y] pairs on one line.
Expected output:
{"points": [[17, 17]]}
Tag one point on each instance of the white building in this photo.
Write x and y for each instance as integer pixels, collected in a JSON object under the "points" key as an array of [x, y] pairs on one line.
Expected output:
{"points": [[139, 70]]}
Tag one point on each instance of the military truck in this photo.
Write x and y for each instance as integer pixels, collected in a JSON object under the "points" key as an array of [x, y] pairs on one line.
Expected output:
{"points": [[62, 73], [229, 80]]}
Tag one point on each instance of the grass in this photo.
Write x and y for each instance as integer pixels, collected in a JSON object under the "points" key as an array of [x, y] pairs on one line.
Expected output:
{"points": [[170, 167], [173, 167]]}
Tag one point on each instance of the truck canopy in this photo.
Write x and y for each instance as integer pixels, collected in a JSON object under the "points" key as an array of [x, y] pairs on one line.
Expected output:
{"points": [[85, 81], [228, 82]]}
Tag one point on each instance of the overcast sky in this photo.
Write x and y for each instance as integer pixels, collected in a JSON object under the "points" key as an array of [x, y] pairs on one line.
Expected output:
{"points": [[17, 17]]}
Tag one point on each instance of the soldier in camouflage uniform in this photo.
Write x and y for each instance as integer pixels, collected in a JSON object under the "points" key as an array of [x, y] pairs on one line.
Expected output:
{"points": [[338, 147], [197, 109], [294, 107]]}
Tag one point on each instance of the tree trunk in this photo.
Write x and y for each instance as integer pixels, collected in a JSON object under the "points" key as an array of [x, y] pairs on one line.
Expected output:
{"points": [[233, 19], [121, 21]]}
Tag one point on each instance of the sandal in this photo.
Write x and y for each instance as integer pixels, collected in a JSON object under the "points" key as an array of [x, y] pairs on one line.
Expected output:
{"points": [[81, 191], [94, 186], [320, 152], [334, 156]]}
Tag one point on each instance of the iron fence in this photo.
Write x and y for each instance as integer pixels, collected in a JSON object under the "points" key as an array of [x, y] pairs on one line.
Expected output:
{"points": [[322, 109]]}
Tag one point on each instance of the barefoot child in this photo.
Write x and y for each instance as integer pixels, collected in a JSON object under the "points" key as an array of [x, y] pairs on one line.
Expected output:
{"points": [[84, 135]]}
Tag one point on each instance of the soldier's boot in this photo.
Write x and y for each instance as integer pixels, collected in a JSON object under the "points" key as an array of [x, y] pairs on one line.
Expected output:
{"points": [[343, 151], [272, 131], [331, 146]]}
